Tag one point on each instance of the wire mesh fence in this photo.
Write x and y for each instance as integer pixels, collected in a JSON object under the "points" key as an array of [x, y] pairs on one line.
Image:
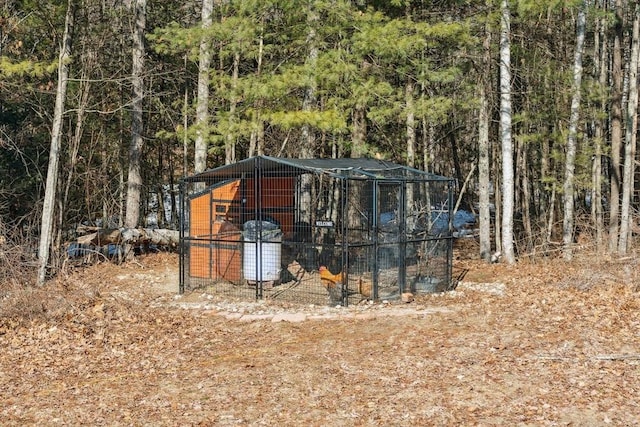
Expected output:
{"points": [[319, 231]]}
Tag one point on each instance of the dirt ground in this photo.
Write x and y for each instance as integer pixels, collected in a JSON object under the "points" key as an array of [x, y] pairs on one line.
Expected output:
{"points": [[536, 344]]}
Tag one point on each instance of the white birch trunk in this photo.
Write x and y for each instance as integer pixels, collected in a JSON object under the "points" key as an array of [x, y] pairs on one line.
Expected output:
{"points": [[572, 140], [483, 161], [46, 228], [505, 132]]}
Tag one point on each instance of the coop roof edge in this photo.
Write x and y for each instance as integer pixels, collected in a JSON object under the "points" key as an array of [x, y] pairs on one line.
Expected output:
{"points": [[335, 167]]}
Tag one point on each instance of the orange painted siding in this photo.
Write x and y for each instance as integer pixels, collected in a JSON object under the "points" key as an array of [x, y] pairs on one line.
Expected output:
{"points": [[277, 201], [214, 216]]}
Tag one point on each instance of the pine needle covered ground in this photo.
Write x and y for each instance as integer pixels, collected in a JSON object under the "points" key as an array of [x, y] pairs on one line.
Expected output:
{"points": [[545, 343]]}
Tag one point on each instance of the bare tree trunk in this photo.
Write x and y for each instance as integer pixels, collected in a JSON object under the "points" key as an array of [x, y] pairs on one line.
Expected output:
{"points": [[525, 200], [410, 124], [257, 134], [497, 197], [54, 152], [616, 128], [630, 137], [185, 125], [161, 221], [230, 146], [483, 154], [545, 171], [600, 56], [411, 138], [359, 126], [308, 104], [596, 191], [572, 140], [505, 130], [483, 177], [428, 142], [358, 149], [202, 105], [359, 132], [552, 210], [134, 179]]}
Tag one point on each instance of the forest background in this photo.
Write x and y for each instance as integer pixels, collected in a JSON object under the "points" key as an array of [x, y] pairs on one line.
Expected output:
{"points": [[530, 105]]}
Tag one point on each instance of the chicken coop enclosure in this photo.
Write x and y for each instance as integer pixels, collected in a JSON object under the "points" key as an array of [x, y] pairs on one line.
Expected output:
{"points": [[318, 231]]}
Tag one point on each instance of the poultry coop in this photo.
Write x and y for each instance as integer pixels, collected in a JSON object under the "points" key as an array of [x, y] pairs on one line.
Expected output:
{"points": [[317, 231]]}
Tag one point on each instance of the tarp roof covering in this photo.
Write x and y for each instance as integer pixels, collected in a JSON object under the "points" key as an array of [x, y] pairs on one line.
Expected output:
{"points": [[360, 169]]}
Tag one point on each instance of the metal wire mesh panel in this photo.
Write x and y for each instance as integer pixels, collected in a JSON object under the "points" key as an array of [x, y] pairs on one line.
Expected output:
{"points": [[322, 231]]}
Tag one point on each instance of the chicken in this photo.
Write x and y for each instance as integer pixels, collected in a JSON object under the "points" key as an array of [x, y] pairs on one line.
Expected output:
{"points": [[333, 284], [330, 280], [364, 287]]}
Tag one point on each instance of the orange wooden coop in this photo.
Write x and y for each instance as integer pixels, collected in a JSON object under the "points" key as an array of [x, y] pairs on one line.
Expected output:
{"points": [[217, 217], [266, 226]]}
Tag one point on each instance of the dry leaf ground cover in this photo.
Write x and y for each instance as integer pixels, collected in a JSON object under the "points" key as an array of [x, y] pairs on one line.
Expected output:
{"points": [[547, 343]]}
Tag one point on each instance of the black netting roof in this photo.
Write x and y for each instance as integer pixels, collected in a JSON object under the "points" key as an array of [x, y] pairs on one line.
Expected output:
{"points": [[360, 169]]}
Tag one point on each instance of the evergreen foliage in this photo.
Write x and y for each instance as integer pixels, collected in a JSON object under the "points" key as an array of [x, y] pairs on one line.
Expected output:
{"points": [[368, 53]]}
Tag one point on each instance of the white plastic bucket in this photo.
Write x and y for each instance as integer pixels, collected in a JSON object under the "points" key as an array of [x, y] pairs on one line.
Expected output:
{"points": [[262, 251], [261, 261]]}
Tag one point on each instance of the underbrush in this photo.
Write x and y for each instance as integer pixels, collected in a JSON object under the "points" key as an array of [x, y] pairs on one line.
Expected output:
{"points": [[22, 302], [78, 298]]}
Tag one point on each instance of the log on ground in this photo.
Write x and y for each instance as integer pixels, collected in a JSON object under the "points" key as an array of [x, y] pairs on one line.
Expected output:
{"points": [[131, 236]]}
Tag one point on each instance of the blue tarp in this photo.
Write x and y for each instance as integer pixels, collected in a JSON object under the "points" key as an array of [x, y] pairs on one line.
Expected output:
{"points": [[439, 224]]}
